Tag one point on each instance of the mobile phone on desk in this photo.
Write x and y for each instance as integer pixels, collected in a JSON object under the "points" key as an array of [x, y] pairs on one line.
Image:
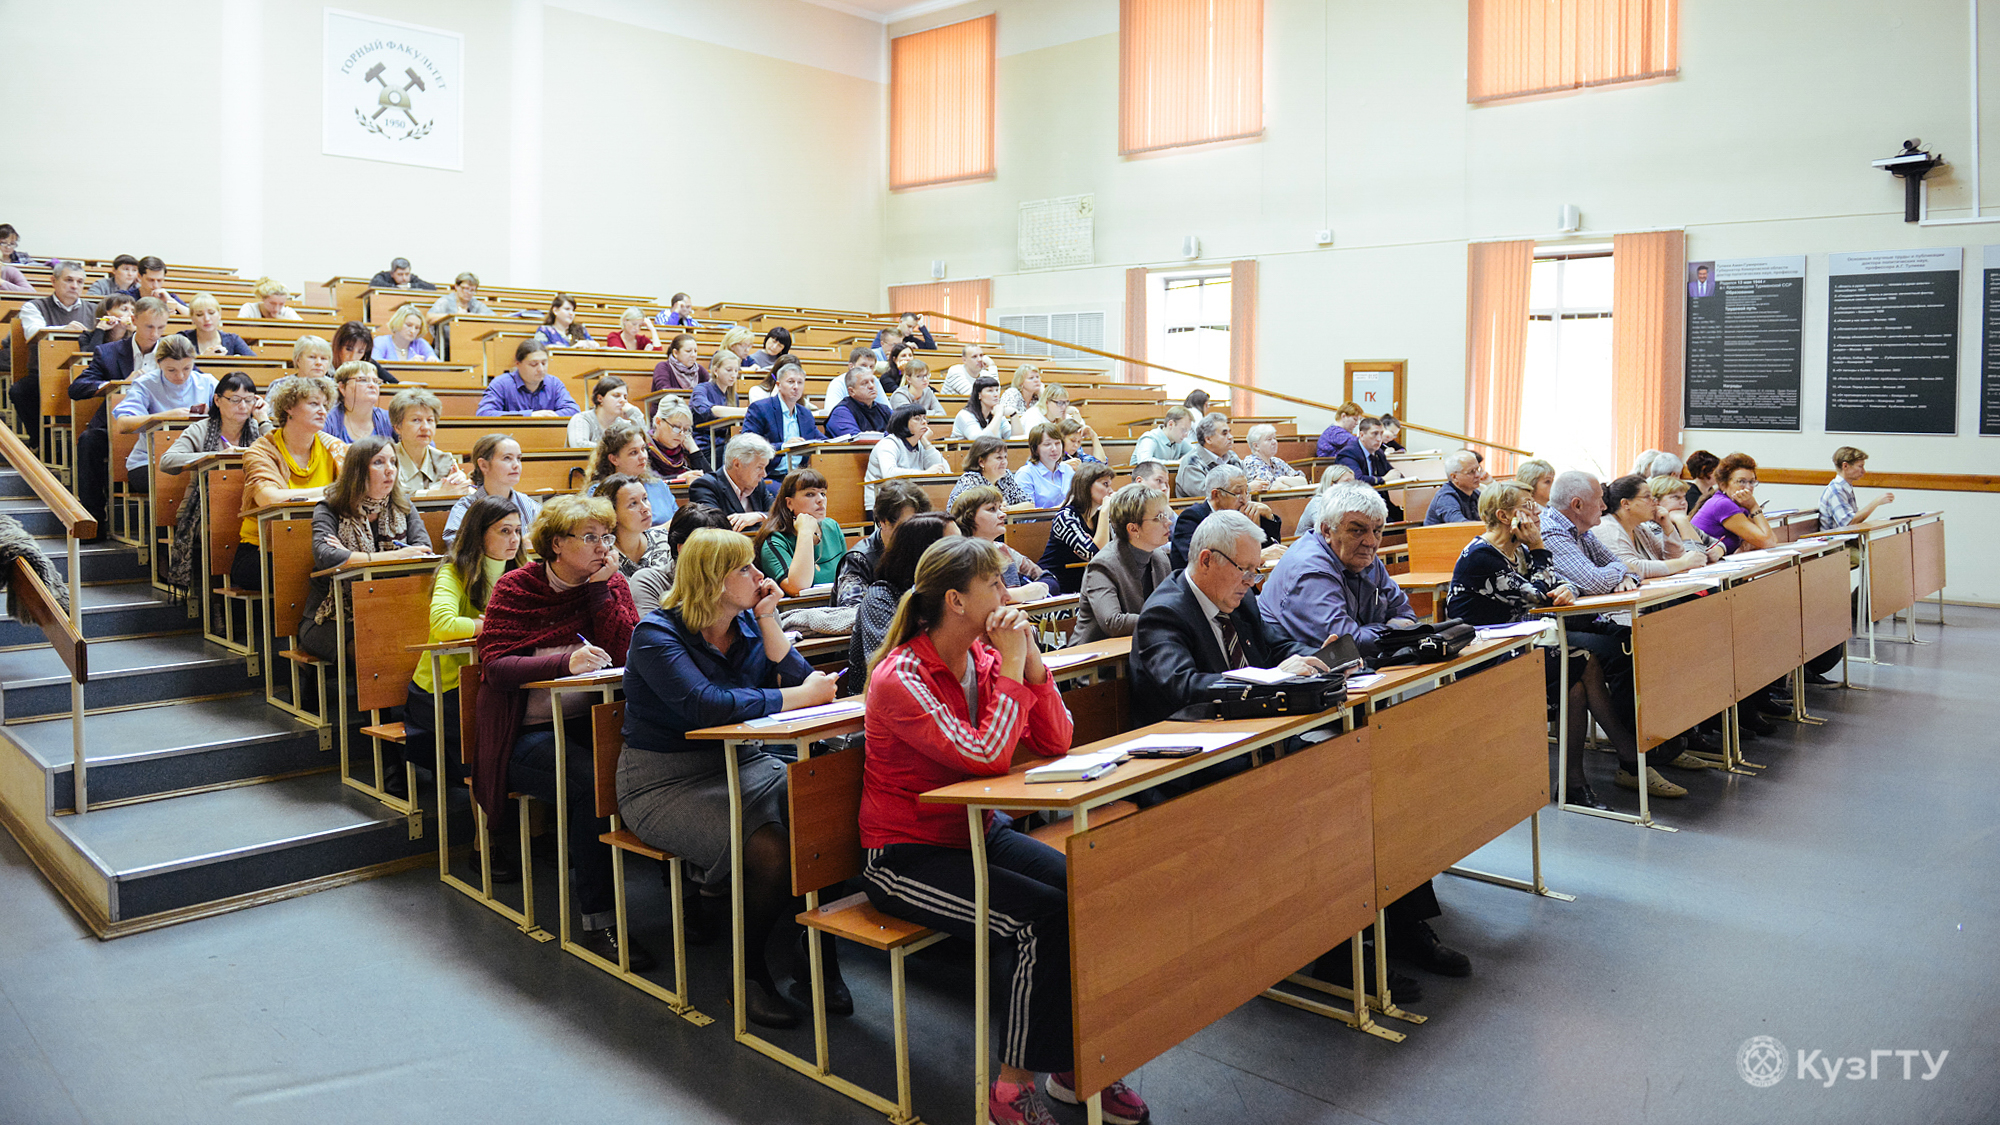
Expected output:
{"points": [[1340, 654], [198, 409], [1164, 752]]}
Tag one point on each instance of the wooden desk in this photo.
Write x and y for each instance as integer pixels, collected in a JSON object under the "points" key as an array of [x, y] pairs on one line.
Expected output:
{"points": [[606, 684]]}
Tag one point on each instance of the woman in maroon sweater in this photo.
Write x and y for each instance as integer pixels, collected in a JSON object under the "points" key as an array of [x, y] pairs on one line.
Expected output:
{"points": [[569, 613], [955, 691]]}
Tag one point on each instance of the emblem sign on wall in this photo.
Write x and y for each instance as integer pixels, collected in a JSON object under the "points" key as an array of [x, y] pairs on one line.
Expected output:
{"points": [[392, 91]]}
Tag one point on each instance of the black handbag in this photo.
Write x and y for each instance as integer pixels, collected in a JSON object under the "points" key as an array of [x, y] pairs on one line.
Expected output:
{"points": [[1424, 643], [1234, 699]]}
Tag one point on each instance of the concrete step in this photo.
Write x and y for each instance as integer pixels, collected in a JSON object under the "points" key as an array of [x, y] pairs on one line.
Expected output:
{"points": [[32, 514], [12, 486], [35, 684], [102, 562], [113, 609]]}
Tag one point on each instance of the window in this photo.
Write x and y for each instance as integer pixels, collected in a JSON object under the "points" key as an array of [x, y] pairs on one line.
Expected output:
{"points": [[1522, 47], [1189, 330], [1189, 72], [941, 104], [1566, 387]]}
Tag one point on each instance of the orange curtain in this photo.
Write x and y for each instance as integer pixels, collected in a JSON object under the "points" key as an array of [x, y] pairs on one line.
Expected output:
{"points": [[1496, 342], [968, 299], [1189, 72], [941, 104], [1648, 338], [1519, 47], [1242, 335], [1136, 295]]}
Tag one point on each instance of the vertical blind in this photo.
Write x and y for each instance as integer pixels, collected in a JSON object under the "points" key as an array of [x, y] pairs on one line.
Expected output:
{"points": [[1242, 335], [1137, 292], [967, 299], [941, 104], [1522, 47], [1189, 71], [1648, 337], [1496, 341]]}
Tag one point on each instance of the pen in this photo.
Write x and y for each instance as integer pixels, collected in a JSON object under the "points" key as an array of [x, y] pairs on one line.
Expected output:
{"points": [[1095, 772]]}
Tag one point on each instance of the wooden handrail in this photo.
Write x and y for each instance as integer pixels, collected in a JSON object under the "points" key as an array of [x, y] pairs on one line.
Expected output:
{"points": [[76, 519], [1267, 392], [38, 605], [1911, 482]]}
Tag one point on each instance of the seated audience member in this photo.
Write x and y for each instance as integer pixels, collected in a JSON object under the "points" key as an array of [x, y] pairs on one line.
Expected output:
{"points": [[357, 413], [681, 370], [1196, 403], [777, 342], [904, 450], [296, 460], [112, 322], [421, 467], [980, 515], [679, 313], [642, 541], [895, 501], [1264, 467], [632, 333], [1458, 500], [132, 358], [890, 581], [1635, 538], [527, 389], [650, 585], [671, 449], [983, 416], [1074, 433], [1168, 441], [272, 297], [622, 451], [957, 691], [1332, 584], [353, 344], [1701, 465], [1332, 475], [153, 283], [207, 333], [166, 394], [859, 360], [973, 362], [1733, 515], [715, 653], [916, 390], [1052, 405], [568, 613], [496, 472], [1338, 436], [739, 342], [784, 418], [1576, 506], [64, 307], [1126, 571], [862, 411], [886, 343], [1535, 477], [986, 465], [1358, 457], [739, 487], [1026, 388], [1044, 477], [1214, 445], [1392, 433], [461, 299], [913, 330], [1081, 528], [399, 276], [1506, 574], [717, 401], [1228, 491], [561, 329], [1670, 494], [230, 424], [889, 372], [490, 543], [800, 545], [610, 401], [404, 342], [364, 519], [13, 280], [123, 278], [1153, 475], [1838, 506], [10, 246]]}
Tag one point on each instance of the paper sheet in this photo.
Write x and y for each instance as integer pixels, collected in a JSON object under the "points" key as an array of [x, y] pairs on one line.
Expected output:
{"points": [[1257, 675], [1517, 629], [824, 710]]}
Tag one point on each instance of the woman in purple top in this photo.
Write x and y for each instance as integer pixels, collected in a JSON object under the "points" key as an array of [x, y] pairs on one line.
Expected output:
{"points": [[1733, 515]]}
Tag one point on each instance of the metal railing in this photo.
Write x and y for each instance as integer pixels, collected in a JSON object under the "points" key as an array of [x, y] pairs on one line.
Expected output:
{"points": [[40, 606]]}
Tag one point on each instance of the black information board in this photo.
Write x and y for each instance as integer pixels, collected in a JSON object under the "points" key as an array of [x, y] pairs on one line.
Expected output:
{"points": [[1989, 357], [1745, 334], [1892, 342]]}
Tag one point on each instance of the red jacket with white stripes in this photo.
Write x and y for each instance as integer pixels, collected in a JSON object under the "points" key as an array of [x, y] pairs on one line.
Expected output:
{"points": [[921, 738]]}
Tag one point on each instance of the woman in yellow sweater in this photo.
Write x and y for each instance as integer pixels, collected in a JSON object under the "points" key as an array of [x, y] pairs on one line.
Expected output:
{"points": [[489, 544]]}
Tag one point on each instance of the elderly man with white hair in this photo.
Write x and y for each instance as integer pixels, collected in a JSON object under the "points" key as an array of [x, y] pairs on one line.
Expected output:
{"points": [[1213, 446], [1331, 582], [739, 488], [1576, 504], [1458, 500], [1228, 491]]}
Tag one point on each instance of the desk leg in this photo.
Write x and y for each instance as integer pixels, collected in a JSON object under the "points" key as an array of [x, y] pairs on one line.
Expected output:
{"points": [[1382, 1001], [437, 746], [1535, 847], [982, 967], [1799, 713]]}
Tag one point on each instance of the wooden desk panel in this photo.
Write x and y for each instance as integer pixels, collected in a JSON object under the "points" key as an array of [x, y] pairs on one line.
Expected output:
{"points": [[1768, 634], [1927, 558], [1166, 937], [1824, 614], [1455, 768], [1681, 666], [1098, 710], [1891, 581]]}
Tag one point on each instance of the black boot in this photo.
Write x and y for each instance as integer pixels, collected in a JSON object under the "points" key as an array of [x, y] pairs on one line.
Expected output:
{"points": [[839, 1000], [1335, 967]]}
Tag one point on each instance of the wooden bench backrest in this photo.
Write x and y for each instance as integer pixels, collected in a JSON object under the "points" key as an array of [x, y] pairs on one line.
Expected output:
{"points": [[469, 683], [169, 489], [843, 469], [434, 521], [224, 530], [1030, 535], [1437, 546], [291, 566], [607, 726], [390, 615], [824, 792]]}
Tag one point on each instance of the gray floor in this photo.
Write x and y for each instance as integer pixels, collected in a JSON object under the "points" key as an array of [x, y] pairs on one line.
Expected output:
{"points": [[1842, 903]]}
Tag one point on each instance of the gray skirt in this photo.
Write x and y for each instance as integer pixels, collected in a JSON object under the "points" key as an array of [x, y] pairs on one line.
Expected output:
{"points": [[679, 802]]}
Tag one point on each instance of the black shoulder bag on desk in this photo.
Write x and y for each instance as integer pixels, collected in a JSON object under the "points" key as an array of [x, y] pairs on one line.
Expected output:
{"points": [[1424, 643]]}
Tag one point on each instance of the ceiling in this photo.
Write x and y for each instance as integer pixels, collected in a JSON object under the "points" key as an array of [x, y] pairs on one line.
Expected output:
{"points": [[886, 11]]}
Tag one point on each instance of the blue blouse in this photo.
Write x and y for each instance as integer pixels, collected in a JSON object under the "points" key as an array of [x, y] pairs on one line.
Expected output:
{"points": [[551, 336], [1047, 489], [336, 424], [676, 682]]}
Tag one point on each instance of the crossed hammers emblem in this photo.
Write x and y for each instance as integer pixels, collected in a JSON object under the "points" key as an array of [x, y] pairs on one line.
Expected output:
{"points": [[392, 98]]}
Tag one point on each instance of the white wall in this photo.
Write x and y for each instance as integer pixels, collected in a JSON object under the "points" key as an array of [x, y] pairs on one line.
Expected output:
{"points": [[1759, 147], [660, 127]]}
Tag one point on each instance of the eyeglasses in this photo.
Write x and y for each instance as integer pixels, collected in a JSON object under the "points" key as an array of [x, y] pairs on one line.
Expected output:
{"points": [[1243, 495], [240, 400], [1244, 574], [606, 540], [1165, 517]]}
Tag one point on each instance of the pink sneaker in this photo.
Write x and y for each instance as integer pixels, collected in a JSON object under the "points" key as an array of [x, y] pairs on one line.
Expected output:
{"points": [[1010, 1104], [1121, 1105]]}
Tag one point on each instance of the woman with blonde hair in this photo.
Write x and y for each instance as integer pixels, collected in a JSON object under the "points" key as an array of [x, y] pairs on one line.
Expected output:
{"points": [[207, 333], [738, 341], [404, 340], [632, 333], [1026, 388], [270, 303], [312, 357], [357, 414]]}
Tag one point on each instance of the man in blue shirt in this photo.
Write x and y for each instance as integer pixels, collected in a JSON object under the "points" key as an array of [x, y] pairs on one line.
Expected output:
{"points": [[1458, 500], [528, 389]]}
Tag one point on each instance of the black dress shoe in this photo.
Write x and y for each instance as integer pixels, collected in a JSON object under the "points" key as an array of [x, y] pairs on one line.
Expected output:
{"points": [[604, 943], [506, 861], [1776, 709], [395, 782], [1421, 949], [839, 1000], [1334, 968], [764, 1007], [1584, 796], [1814, 679], [1698, 743], [1754, 723]]}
